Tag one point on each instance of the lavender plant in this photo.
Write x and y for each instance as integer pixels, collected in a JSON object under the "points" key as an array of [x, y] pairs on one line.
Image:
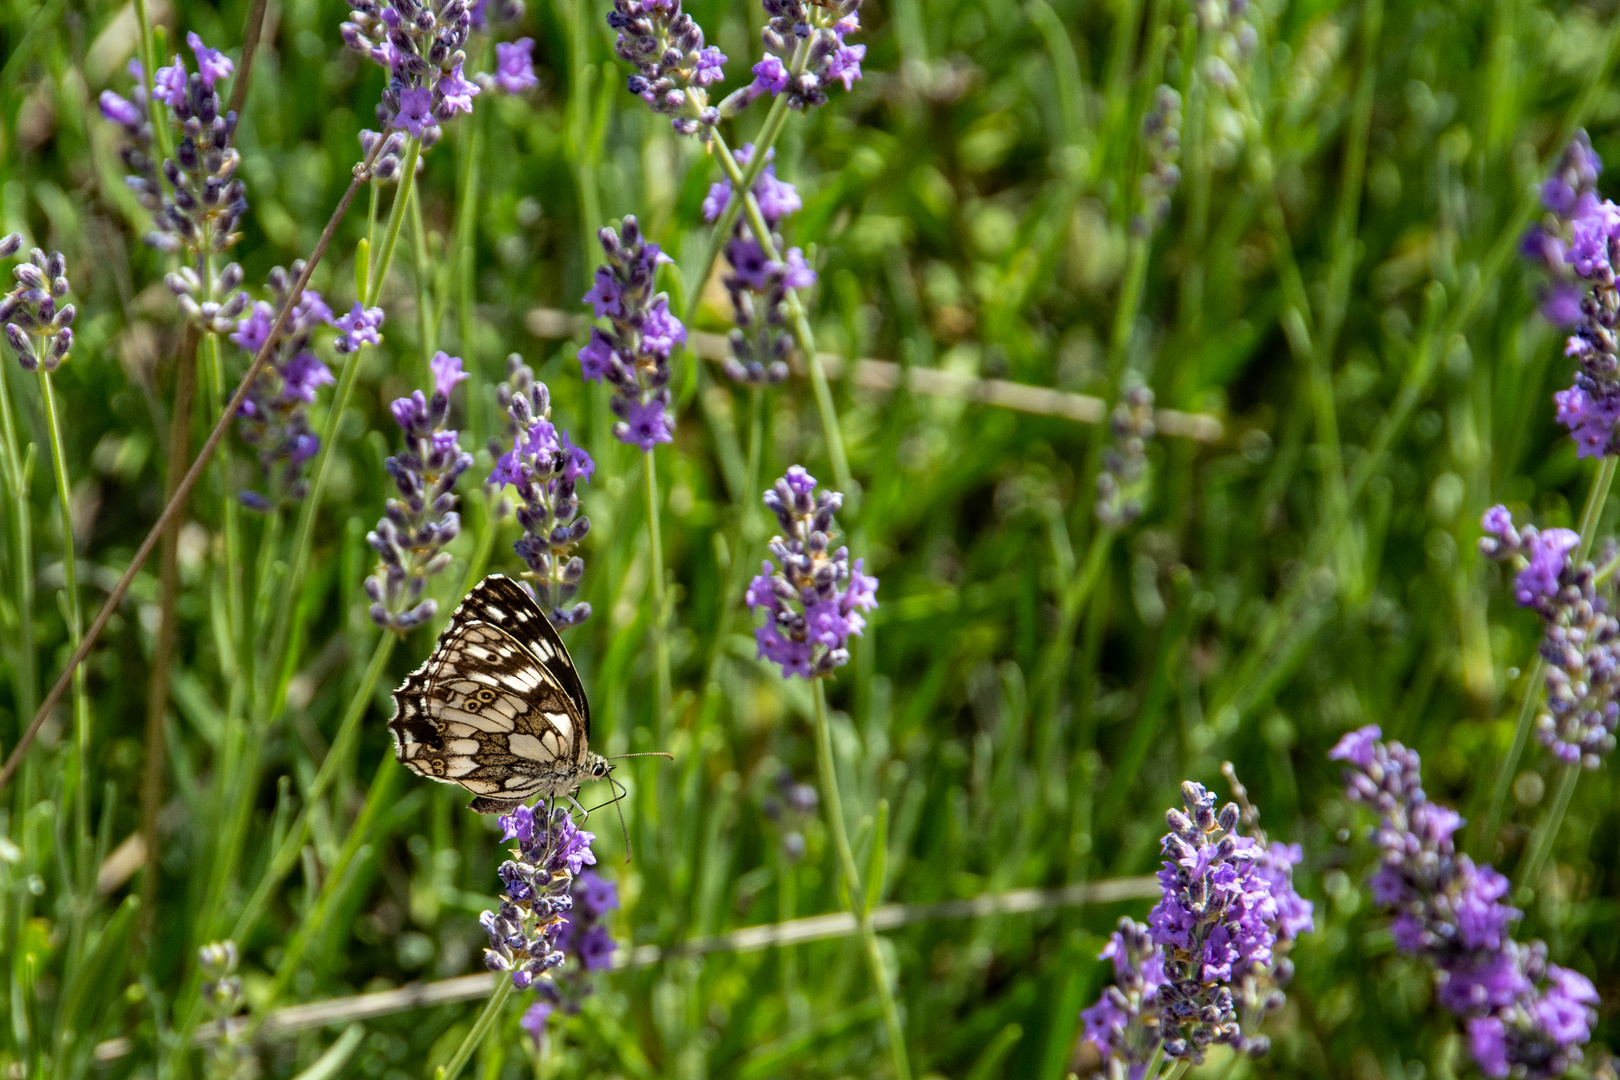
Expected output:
{"points": [[544, 467], [411, 537], [812, 607], [757, 284], [1525, 1017], [274, 418], [1576, 243], [1123, 477], [814, 602], [632, 356], [537, 894], [673, 66], [1212, 955], [195, 198], [420, 44], [1580, 644]]}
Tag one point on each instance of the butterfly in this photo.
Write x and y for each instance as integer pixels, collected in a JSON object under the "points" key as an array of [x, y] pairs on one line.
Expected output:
{"points": [[497, 707]]}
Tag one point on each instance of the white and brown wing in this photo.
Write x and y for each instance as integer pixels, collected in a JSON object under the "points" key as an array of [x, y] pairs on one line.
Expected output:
{"points": [[485, 713]]}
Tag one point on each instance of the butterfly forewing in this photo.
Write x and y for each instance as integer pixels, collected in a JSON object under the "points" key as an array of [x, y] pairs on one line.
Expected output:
{"points": [[502, 602], [498, 707]]}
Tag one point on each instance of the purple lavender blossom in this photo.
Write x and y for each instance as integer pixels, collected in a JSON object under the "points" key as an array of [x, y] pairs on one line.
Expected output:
{"points": [[359, 327], [633, 355], [791, 808], [1525, 1017], [1580, 638], [212, 65], [420, 42], [1123, 1024], [274, 418], [534, 1021], [536, 897], [1215, 921], [514, 66], [1122, 481], [544, 468], [1578, 243], [814, 603], [757, 285], [38, 330], [1211, 962], [673, 66], [411, 536], [195, 198], [806, 52]]}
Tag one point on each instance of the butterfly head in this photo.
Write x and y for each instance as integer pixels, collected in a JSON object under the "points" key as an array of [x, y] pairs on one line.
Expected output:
{"points": [[598, 767]]}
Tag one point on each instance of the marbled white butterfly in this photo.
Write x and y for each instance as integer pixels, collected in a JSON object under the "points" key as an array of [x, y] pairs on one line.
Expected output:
{"points": [[498, 707]]}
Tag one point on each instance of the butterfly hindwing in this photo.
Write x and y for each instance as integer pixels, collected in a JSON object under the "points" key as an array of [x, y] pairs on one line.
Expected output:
{"points": [[490, 713]]}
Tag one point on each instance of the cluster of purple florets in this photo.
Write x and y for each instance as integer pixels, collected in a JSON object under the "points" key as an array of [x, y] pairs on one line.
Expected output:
{"points": [[195, 198], [673, 66], [274, 417], [1578, 243], [1123, 1025], [633, 354], [411, 536], [1161, 149], [420, 43], [544, 467], [814, 603], [534, 928], [1121, 480], [38, 330], [1211, 963], [805, 51], [758, 285], [1525, 1017], [1581, 637]]}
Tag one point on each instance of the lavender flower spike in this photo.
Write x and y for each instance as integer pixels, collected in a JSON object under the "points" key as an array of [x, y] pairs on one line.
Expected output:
{"points": [[633, 355], [529, 931], [1525, 1017], [196, 199], [544, 467], [1580, 638], [1215, 921], [420, 42], [827, 59], [814, 603], [38, 330], [673, 66], [274, 418], [758, 286], [1211, 960], [411, 536], [1578, 244], [1123, 1025]]}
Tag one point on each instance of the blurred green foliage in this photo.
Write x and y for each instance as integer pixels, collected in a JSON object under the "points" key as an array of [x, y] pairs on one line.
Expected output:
{"points": [[1336, 279]]}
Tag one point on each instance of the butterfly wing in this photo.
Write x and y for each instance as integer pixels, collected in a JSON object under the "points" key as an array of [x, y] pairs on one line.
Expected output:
{"points": [[488, 714], [503, 602]]}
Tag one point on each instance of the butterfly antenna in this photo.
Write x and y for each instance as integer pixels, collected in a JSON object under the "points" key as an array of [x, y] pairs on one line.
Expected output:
{"points": [[645, 753], [620, 811]]}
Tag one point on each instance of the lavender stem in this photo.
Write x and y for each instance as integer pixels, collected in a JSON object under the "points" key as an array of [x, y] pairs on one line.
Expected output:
{"points": [[852, 880]]}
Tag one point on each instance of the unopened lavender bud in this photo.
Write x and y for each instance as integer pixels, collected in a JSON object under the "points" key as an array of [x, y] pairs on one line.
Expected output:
{"points": [[10, 244]]}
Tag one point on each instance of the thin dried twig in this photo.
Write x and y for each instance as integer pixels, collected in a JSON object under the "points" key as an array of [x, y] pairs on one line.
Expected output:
{"points": [[886, 375], [347, 1010]]}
